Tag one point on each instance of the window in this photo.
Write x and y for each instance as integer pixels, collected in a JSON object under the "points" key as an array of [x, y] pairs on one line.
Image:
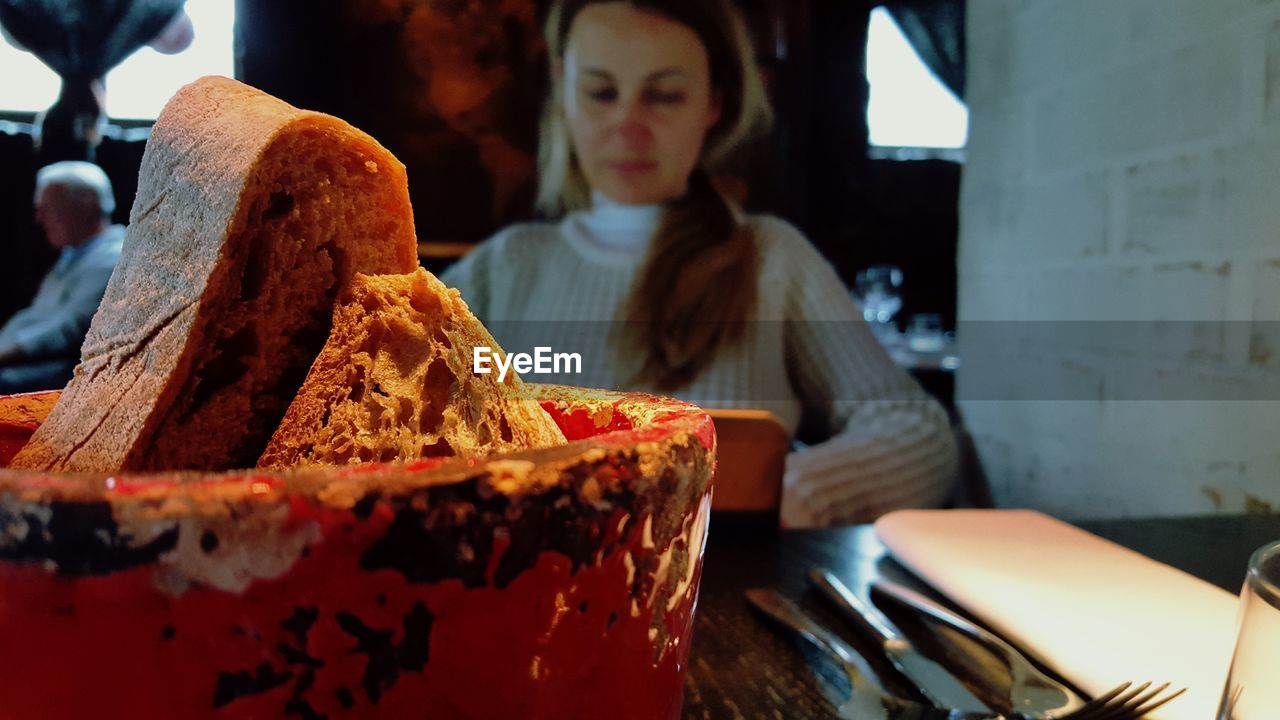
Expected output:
{"points": [[140, 86], [908, 106], [36, 90]]}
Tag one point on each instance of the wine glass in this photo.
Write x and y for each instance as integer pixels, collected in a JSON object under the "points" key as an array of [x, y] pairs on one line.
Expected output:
{"points": [[878, 289], [924, 333], [1251, 689]]}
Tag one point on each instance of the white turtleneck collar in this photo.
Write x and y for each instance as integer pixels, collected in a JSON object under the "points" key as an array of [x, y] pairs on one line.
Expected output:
{"points": [[611, 232]]}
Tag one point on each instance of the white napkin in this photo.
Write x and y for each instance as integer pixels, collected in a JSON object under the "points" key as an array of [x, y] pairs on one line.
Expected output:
{"points": [[1098, 613]]}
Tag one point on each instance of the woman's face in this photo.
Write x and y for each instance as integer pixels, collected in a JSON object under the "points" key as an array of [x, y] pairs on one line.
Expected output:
{"points": [[638, 100]]}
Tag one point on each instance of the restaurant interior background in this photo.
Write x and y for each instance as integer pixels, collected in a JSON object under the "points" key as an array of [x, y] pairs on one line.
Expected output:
{"points": [[1107, 250]]}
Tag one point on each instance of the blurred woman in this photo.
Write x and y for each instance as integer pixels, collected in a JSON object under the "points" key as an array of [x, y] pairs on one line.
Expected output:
{"points": [[660, 284]]}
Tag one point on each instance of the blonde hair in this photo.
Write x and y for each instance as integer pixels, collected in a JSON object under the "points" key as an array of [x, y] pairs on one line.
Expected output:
{"points": [[689, 300]]}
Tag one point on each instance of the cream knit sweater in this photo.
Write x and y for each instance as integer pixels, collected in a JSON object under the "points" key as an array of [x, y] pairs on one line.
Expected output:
{"points": [[809, 357]]}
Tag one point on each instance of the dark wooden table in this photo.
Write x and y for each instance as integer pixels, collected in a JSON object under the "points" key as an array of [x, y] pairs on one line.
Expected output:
{"points": [[742, 668]]}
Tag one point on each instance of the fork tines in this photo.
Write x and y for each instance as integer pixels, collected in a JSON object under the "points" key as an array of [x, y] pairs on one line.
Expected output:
{"points": [[1125, 702]]}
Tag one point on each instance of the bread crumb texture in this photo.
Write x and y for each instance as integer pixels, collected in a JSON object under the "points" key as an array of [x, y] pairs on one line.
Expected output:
{"points": [[395, 382]]}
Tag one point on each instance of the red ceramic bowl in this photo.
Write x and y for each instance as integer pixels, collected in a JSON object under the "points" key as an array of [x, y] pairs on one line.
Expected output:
{"points": [[558, 583]]}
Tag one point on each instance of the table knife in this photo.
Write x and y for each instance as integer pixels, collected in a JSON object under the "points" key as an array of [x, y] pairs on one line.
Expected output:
{"points": [[937, 685], [867, 700], [1030, 690]]}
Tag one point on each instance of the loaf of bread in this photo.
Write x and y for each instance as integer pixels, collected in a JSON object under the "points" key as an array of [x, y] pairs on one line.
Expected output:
{"points": [[395, 382], [250, 217]]}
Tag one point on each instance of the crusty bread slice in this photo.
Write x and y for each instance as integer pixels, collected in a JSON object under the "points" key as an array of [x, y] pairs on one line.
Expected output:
{"points": [[250, 216], [395, 382]]}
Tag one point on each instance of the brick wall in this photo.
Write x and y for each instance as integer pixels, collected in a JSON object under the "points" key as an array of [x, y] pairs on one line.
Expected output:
{"points": [[1119, 261]]}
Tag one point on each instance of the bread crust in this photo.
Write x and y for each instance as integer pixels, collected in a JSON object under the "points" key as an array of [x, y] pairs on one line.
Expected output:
{"points": [[200, 282]]}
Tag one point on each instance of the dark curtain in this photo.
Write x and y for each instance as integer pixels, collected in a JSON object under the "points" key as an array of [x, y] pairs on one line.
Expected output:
{"points": [[81, 40], [936, 31], [838, 170], [85, 38], [814, 167]]}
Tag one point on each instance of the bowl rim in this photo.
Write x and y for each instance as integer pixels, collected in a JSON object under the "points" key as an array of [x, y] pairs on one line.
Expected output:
{"points": [[657, 422]]}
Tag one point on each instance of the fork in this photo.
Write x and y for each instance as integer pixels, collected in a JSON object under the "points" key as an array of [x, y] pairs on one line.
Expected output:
{"points": [[1031, 690], [868, 701]]}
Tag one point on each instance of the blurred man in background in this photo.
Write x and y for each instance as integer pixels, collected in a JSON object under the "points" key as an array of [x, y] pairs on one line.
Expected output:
{"points": [[40, 344]]}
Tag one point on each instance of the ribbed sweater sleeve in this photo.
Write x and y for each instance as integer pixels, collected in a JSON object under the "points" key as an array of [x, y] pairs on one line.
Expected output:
{"points": [[889, 445]]}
